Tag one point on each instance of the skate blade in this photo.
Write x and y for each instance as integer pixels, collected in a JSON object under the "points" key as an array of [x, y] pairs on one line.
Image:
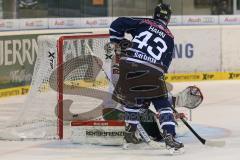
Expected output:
{"points": [[174, 151], [143, 146]]}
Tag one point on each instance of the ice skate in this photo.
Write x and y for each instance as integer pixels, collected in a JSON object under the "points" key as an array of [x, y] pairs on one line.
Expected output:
{"points": [[172, 145]]}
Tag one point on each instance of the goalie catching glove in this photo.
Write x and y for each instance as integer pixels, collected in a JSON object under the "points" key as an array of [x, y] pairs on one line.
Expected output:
{"points": [[190, 98]]}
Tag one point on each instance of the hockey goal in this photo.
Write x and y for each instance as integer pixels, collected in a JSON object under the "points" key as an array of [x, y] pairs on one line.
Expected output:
{"points": [[70, 82]]}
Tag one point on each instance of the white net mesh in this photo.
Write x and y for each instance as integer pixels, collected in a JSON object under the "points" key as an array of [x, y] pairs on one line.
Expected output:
{"points": [[36, 118]]}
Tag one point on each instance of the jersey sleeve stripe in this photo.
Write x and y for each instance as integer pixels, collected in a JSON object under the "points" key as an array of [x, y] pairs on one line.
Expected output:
{"points": [[132, 122], [116, 37], [113, 30], [164, 112], [131, 110], [167, 123]]}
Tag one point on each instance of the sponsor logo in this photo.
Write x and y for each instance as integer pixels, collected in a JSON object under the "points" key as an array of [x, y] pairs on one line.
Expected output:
{"points": [[29, 24], [185, 77], [18, 51], [229, 19], [208, 20], [70, 22], [103, 22], [25, 91], [101, 133], [234, 75], [7, 24], [51, 56], [2, 24], [109, 48], [208, 76], [183, 50], [194, 20], [59, 23], [108, 56], [14, 91], [38, 23], [91, 22], [144, 57], [20, 76], [201, 20]]}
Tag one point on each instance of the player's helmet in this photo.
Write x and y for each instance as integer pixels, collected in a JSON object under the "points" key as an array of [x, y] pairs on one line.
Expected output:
{"points": [[163, 12]]}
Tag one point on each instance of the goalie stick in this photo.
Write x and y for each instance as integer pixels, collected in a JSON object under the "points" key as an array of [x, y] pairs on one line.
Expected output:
{"points": [[147, 139]]}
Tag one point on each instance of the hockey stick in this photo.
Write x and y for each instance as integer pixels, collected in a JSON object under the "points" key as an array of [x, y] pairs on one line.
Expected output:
{"points": [[202, 140], [147, 139]]}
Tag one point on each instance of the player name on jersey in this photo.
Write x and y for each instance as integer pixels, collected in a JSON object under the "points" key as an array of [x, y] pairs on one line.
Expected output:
{"points": [[159, 32]]}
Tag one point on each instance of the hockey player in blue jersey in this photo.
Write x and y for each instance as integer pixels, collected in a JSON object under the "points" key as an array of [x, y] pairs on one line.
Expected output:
{"points": [[142, 67]]}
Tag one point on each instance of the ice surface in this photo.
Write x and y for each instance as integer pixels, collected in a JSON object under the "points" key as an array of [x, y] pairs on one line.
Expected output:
{"points": [[220, 110]]}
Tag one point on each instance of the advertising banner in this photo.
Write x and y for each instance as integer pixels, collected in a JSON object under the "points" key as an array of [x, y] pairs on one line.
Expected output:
{"points": [[203, 51], [15, 91], [9, 24], [175, 20], [199, 20], [197, 49], [17, 57], [230, 48], [229, 19], [64, 22], [34, 23], [101, 22]]}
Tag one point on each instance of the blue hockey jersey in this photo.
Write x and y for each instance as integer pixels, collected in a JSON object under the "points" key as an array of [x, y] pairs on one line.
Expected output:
{"points": [[152, 41]]}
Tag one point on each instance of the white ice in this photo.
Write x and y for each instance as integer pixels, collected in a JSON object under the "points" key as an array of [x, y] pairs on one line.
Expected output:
{"points": [[221, 108]]}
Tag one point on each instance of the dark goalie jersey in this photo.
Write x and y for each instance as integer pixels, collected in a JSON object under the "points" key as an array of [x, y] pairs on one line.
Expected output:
{"points": [[152, 41]]}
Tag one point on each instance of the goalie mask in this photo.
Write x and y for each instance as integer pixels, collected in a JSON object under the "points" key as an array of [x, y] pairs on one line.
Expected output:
{"points": [[162, 12]]}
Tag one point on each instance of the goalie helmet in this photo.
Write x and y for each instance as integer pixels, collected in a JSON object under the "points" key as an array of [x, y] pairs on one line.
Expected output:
{"points": [[162, 12]]}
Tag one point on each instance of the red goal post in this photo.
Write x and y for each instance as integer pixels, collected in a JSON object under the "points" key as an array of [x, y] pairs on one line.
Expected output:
{"points": [[66, 82], [60, 45]]}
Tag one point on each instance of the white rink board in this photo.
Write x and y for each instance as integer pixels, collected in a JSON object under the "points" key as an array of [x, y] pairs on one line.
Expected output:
{"points": [[198, 49], [230, 48], [201, 48]]}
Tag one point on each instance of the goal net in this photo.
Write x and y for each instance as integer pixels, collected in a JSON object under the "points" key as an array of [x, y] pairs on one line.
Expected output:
{"points": [[70, 81]]}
